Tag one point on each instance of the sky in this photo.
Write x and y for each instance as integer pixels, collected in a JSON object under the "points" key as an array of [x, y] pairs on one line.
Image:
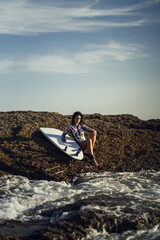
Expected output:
{"points": [[93, 56]]}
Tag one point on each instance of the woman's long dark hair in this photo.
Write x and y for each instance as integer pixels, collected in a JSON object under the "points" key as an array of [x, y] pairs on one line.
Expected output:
{"points": [[75, 115]]}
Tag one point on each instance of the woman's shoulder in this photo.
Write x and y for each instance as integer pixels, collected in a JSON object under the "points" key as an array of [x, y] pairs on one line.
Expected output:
{"points": [[71, 126]]}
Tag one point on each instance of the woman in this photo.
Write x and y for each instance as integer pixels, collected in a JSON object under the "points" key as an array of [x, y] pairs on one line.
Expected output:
{"points": [[77, 130]]}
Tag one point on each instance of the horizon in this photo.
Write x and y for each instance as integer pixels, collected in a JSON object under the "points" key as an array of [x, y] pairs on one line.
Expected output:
{"points": [[94, 113]]}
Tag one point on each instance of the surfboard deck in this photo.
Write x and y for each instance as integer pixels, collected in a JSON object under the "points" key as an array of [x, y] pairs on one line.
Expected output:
{"points": [[71, 148]]}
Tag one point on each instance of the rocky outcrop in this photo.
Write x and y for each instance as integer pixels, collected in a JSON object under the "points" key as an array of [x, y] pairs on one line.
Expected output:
{"points": [[124, 143]]}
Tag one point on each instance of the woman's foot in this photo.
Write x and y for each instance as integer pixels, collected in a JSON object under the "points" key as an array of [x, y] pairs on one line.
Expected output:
{"points": [[92, 157]]}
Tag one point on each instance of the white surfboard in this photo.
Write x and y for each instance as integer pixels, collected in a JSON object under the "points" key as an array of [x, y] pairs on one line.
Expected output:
{"points": [[71, 148]]}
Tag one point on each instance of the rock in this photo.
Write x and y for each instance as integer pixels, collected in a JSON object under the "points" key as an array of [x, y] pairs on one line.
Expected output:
{"points": [[124, 143]]}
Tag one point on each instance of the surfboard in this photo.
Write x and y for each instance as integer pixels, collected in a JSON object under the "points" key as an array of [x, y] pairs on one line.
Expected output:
{"points": [[70, 147]]}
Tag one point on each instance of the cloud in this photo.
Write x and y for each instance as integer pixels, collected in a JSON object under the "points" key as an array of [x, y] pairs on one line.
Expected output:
{"points": [[51, 64], [89, 59], [117, 51], [111, 51], [6, 65], [26, 17]]}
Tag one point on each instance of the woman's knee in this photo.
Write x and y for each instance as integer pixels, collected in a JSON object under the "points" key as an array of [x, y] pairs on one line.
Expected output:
{"points": [[94, 133]]}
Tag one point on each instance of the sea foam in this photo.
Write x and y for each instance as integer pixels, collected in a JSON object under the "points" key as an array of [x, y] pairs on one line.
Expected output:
{"points": [[122, 195]]}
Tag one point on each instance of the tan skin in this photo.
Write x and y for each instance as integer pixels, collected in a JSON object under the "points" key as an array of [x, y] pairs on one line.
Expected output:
{"points": [[89, 143]]}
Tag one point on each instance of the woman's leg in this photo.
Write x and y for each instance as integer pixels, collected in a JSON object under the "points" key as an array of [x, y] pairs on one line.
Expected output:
{"points": [[93, 137], [87, 144]]}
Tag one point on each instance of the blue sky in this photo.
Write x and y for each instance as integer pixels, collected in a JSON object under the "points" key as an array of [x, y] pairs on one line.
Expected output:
{"points": [[95, 56]]}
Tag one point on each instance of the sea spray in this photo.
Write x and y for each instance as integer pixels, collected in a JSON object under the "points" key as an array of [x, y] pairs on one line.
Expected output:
{"points": [[125, 205]]}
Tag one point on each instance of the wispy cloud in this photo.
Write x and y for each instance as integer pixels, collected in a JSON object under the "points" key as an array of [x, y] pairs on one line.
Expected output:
{"points": [[6, 65], [91, 58], [26, 17], [52, 64], [112, 50]]}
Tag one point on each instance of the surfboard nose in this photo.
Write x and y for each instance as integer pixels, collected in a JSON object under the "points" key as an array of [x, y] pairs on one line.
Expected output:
{"points": [[78, 152]]}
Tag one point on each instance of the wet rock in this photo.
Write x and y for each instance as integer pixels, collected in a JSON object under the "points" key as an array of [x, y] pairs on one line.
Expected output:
{"points": [[10, 237], [79, 225]]}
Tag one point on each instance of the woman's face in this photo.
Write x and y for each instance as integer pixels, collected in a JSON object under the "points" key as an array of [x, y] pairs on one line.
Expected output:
{"points": [[77, 120]]}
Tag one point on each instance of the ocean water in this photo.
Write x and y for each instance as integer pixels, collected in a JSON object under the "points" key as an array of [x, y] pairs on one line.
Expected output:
{"points": [[122, 195]]}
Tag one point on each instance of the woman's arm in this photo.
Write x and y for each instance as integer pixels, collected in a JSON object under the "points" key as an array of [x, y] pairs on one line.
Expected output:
{"points": [[84, 127], [64, 133]]}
